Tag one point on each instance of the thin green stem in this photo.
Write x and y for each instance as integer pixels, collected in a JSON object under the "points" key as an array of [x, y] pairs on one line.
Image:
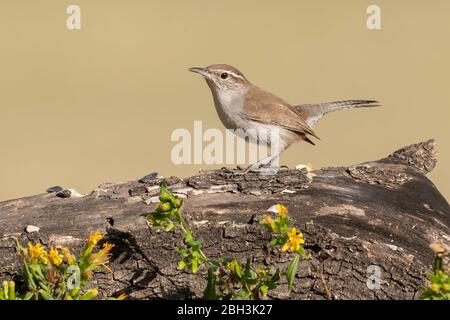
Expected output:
{"points": [[185, 228]]}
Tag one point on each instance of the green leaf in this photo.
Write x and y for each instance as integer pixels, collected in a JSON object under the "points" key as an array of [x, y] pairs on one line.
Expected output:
{"points": [[36, 270], [169, 226], [194, 266], [89, 295], [194, 244], [12, 290], [210, 290], [5, 289], [301, 252], [74, 292], [183, 252], [28, 295], [188, 237], [235, 268], [177, 214], [437, 264], [29, 277], [291, 270], [45, 295], [164, 207], [250, 276], [181, 264], [164, 193], [176, 202], [264, 289], [20, 248], [242, 295], [275, 279], [277, 241]]}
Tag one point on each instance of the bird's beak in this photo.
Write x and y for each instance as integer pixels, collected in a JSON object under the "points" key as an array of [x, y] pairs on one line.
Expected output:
{"points": [[203, 71]]}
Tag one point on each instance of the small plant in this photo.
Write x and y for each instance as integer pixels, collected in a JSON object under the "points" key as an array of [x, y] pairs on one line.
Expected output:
{"points": [[439, 288], [288, 237], [57, 275], [229, 278]]}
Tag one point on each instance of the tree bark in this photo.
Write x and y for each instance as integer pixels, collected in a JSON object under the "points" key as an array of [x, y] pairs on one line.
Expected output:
{"points": [[382, 213]]}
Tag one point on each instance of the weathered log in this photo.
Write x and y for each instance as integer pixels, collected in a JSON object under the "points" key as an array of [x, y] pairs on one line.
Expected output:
{"points": [[383, 213]]}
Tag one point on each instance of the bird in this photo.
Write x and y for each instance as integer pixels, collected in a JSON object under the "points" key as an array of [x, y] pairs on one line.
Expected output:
{"points": [[248, 110]]}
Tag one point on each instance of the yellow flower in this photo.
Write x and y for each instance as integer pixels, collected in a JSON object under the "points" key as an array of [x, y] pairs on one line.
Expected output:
{"points": [[54, 256], [67, 255], [295, 240], [268, 219], [282, 210], [435, 287], [94, 238], [37, 252], [121, 297], [446, 287], [107, 247], [68, 297], [102, 257]]}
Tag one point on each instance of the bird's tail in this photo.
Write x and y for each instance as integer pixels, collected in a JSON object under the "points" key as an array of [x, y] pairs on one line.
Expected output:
{"points": [[313, 112]]}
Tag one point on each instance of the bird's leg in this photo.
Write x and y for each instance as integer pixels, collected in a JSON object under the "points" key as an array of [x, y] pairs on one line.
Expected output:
{"points": [[264, 165]]}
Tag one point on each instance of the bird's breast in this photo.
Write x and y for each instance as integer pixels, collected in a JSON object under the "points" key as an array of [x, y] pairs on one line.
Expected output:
{"points": [[229, 106]]}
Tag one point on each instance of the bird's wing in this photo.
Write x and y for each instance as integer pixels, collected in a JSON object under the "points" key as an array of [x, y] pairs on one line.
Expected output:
{"points": [[313, 112], [264, 107]]}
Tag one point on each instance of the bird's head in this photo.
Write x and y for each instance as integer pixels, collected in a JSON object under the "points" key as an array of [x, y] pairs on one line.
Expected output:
{"points": [[223, 78]]}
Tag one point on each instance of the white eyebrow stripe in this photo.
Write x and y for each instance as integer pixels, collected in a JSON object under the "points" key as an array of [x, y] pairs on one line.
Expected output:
{"points": [[232, 73]]}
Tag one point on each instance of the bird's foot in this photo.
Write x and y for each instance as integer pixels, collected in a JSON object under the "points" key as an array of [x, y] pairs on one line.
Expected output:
{"points": [[263, 169]]}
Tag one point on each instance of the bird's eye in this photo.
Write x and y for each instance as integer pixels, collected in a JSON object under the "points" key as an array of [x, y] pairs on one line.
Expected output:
{"points": [[224, 75]]}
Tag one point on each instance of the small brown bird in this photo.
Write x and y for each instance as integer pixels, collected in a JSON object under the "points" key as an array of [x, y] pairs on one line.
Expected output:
{"points": [[242, 105]]}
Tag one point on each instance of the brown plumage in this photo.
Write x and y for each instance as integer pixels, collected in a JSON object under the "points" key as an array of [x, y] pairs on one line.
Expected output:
{"points": [[264, 107]]}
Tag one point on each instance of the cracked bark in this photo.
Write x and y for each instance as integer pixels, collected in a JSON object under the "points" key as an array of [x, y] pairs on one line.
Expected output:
{"points": [[383, 213]]}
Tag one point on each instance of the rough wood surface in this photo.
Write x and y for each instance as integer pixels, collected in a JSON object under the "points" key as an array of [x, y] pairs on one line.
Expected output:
{"points": [[383, 213]]}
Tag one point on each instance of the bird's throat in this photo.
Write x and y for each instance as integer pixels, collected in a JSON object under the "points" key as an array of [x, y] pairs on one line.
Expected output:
{"points": [[229, 105]]}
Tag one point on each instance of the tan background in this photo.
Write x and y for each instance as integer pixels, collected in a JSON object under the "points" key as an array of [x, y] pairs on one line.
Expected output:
{"points": [[78, 108]]}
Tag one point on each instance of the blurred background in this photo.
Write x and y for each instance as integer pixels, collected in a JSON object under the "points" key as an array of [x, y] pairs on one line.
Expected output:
{"points": [[82, 107]]}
